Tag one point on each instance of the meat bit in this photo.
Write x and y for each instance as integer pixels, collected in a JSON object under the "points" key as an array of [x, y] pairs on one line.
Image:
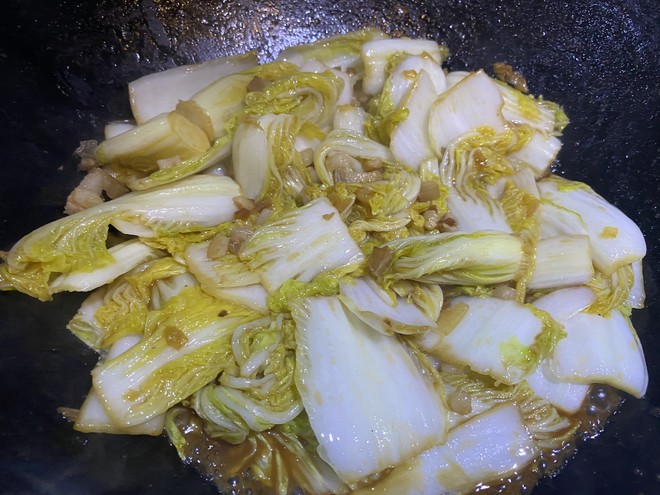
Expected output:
{"points": [[257, 84], [504, 72], [379, 260], [86, 151], [428, 191], [239, 234], [218, 247]]}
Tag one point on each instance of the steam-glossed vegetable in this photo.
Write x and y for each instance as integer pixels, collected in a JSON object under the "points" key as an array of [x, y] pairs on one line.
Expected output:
{"points": [[347, 270]]}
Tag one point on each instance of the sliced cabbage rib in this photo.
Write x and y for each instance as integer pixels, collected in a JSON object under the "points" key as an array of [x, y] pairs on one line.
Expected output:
{"points": [[368, 403]]}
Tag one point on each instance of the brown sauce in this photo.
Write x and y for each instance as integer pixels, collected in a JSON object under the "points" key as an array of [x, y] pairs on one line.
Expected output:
{"points": [[600, 403], [221, 462]]}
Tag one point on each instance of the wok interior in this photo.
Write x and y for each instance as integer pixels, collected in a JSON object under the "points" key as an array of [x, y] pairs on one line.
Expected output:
{"points": [[67, 66]]}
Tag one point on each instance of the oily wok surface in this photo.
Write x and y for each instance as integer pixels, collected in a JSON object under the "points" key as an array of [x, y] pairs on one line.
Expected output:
{"points": [[64, 67]]}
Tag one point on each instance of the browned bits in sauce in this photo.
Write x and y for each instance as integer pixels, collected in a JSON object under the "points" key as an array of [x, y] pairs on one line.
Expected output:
{"points": [[246, 207], [257, 84], [451, 316], [342, 203], [504, 72], [218, 247], [239, 234], [87, 163], [379, 260], [223, 463], [428, 191], [347, 169], [223, 313], [448, 223], [242, 214], [97, 184], [243, 202], [599, 404], [371, 164], [175, 338], [364, 195], [111, 186], [86, 151], [262, 204]]}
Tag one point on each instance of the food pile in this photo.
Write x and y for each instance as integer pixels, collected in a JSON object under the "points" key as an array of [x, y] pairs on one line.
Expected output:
{"points": [[347, 270]]}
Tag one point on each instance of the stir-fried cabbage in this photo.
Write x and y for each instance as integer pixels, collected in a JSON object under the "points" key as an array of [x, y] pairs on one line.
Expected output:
{"points": [[343, 271]]}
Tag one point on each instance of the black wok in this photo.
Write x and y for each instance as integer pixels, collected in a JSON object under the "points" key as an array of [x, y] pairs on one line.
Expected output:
{"points": [[64, 66]]}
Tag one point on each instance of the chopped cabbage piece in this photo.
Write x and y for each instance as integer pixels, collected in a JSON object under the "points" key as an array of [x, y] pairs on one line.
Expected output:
{"points": [[341, 51], [410, 141], [160, 92], [488, 447], [520, 108], [561, 261], [565, 395], [126, 255], [499, 338], [455, 258], [563, 304], [115, 128], [637, 294], [387, 313], [77, 243], [166, 136], [615, 239], [472, 103], [538, 153], [93, 418], [187, 344], [120, 309], [301, 244], [368, 403], [351, 143], [350, 118], [600, 349], [375, 55]]}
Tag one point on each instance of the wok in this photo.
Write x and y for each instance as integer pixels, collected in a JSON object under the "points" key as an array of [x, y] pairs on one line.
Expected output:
{"points": [[64, 66]]}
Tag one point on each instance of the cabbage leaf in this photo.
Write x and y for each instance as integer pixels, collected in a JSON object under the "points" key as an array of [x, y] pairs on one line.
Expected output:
{"points": [[368, 403], [455, 258], [187, 343], [77, 243]]}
